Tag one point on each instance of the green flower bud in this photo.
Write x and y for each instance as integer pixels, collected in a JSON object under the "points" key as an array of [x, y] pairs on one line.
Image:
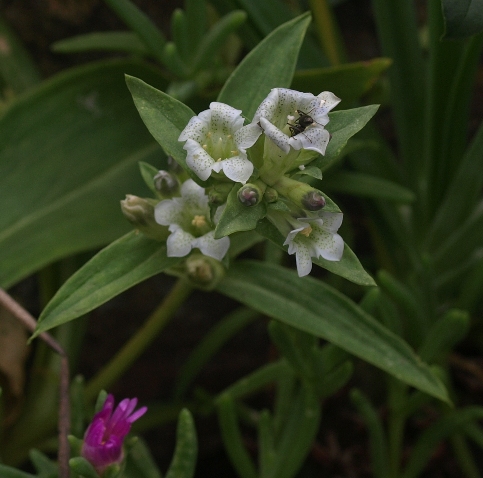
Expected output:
{"points": [[301, 194], [203, 271], [271, 195], [218, 194], [250, 195], [313, 201], [140, 213], [167, 184]]}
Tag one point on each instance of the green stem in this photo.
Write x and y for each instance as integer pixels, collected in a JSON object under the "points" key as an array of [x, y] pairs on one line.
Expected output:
{"points": [[464, 456], [397, 419], [140, 341], [327, 31]]}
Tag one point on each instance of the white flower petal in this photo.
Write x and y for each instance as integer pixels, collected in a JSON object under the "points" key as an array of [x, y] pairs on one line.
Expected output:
{"points": [[329, 246], [331, 220], [304, 261], [193, 195], [179, 243], [238, 169], [276, 135], [197, 128], [329, 100], [198, 160], [168, 211], [314, 138], [247, 136], [225, 119], [209, 246]]}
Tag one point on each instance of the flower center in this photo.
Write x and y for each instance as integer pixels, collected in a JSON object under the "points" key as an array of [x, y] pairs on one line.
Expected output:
{"points": [[199, 222], [220, 146], [306, 232]]}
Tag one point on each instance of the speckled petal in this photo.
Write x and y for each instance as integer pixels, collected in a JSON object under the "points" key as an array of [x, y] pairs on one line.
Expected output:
{"points": [[331, 220], [314, 138], [276, 135], [237, 168], [225, 119], [179, 243], [329, 100], [329, 246], [247, 136], [168, 211], [197, 127], [209, 246], [198, 160]]}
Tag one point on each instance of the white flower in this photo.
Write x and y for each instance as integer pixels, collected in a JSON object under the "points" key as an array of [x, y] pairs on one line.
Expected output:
{"points": [[315, 237], [216, 140], [188, 218], [294, 119]]}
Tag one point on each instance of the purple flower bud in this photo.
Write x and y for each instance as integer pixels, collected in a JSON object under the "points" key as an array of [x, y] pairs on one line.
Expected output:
{"points": [[104, 436], [313, 201]]}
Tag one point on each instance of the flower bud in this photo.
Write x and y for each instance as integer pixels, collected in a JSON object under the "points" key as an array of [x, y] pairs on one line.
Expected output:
{"points": [[218, 194], [250, 195], [167, 184], [203, 271], [271, 195], [173, 166], [140, 213], [313, 201], [301, 194]]}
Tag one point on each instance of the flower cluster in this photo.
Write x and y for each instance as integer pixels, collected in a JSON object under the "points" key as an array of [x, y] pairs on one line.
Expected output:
{"points": [[286, 133], [103, 439]]}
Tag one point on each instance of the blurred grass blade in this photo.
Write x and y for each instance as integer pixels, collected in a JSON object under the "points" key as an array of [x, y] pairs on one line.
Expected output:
{"points": [[17, 69], [119, 266], [462, 17], [141, 24], [377, 438], [271, 64], [232, 438], [314, 307], [364, 185], [442, 429], [72, 146], [349, 81], [184, 459], [210, 344], [398, 34], [140, 463], [215, 39], [102, 41]]}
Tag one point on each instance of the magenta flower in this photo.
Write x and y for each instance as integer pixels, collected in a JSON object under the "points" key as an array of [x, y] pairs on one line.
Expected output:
{"points": [[104, 436]]}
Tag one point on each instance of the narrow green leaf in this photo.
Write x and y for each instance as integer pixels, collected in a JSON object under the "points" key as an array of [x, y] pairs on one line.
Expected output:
{"points": [[183, 463], [365, 185], [463, 17], [348, 267], [316, 308], [164, 117], [148, 172], [266, 444], [42, 463], [102, 41], [82, 467], [342, 126], [71, 183], [8, 472], [270, 65], [211, 343], [119, 266], [141, 24], [232, 438], [215, 39], [442, 429], [17, 69], [348, 81], [140, 463], [236, 217]]}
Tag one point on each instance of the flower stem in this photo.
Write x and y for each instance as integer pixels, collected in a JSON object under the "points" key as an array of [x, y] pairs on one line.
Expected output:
{"points": [[140, 341]]}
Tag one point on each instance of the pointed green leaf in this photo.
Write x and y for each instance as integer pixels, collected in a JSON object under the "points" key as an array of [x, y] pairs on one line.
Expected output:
{"points": [[462, 17], [68, 153], [119, 266], [164, 117], [314, 307], [8, 472], [348, 267], [236, 217], [270, 64], [348, 81], [184, 459], [342, 126]]}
